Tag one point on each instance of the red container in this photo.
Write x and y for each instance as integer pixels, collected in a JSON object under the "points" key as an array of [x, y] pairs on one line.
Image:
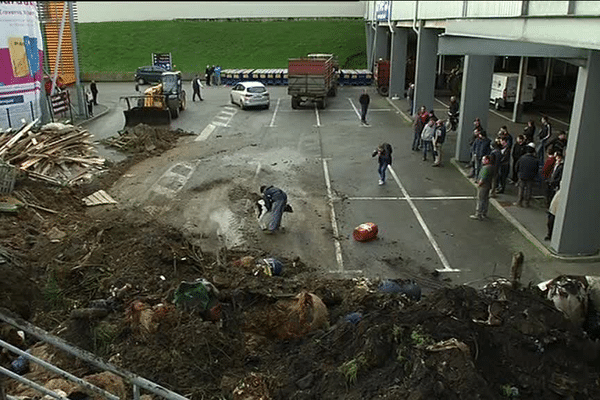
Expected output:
{"points": [[365, 232]]}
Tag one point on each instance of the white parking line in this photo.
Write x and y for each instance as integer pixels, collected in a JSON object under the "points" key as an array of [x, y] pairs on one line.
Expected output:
{"points": [[415, 198], [205, 133], [272, 124], [334, 227], [317, 114], [354, 107], [434, 244], [406, 117], [223, 117]]}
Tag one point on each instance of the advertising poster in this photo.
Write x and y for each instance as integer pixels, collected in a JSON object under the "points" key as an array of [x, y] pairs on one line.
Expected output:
{"points": [[21, 57]]}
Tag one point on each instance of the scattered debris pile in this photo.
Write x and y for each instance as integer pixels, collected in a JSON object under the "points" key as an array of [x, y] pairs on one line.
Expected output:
{"points": [[145, 139], [57, 153]]}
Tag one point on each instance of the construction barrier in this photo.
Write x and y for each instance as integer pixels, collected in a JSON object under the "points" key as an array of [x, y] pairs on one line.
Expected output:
{"points": [[279, 76]]}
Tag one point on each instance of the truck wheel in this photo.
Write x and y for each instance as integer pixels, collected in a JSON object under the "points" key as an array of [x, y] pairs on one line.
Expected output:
{"points": [[174, 112], [295, 103], [383, 90], [141, 81], [321, 104], [183, 102]]}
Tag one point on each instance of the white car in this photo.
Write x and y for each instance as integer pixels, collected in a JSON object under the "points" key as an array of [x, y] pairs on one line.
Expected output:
{"points": [[250, 94]]}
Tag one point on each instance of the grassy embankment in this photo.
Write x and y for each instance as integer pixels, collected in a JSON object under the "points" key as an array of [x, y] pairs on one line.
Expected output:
{"points": [[124, 46]]}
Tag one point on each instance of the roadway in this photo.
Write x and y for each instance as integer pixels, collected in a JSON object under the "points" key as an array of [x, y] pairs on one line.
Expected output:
{"points": [[322, 159]]}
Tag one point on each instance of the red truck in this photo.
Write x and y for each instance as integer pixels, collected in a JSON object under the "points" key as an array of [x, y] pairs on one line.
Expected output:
{"points": [[382, 77], [312, 78]]}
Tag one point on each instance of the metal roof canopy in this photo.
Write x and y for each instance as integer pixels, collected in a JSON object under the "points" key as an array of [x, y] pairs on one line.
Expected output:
{"points": [[461, 45]]}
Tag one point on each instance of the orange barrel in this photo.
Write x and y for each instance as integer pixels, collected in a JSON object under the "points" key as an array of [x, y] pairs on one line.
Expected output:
{"points": [[365, 232]]}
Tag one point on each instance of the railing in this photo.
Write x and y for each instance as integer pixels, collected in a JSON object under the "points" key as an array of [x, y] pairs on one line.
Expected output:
{"points": [[136, 381]]}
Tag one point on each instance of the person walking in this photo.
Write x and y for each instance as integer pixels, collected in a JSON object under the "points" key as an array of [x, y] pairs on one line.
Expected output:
{"points": [[427, 137], [410, 95], [439, 136], [484, 184], [94, 90], [528, 167], [213, 76], [207, 75], [364, 100], [197, 88], [384, 158]]}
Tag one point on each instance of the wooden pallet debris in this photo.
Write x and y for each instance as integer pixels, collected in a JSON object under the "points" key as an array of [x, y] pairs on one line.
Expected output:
{"points": [[98, 198], [58, 153]]}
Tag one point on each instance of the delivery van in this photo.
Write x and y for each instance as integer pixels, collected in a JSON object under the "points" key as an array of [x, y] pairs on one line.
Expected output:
{"points": [[504, 89]]}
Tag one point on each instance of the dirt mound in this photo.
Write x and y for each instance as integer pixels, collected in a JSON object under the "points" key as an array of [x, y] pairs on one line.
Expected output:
{"points": [[142, 138], [455, 343]]}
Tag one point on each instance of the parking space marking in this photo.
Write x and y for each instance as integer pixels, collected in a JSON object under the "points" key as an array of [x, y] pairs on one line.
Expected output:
{"points": [[334, 226], [174, 179], [205, 133], [424, 226], [354, 107], [415, 198], [272, 124], [398, 110], [317, 114]]}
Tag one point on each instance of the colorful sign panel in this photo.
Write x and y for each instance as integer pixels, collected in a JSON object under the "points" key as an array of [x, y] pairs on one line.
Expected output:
{"points": [[383, 10], [21, 57]]}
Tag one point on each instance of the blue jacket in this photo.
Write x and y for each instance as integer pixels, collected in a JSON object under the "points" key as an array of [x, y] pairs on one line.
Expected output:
{"points": [[528, 167], [481, 147]]}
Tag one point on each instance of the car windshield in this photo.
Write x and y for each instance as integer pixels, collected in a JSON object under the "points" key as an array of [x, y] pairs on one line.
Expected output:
{"points": [[257, 89], [169, 82]]}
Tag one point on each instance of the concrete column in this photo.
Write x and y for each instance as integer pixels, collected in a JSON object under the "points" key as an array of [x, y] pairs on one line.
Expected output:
{"points": [[370, 36], [578, 217], [398, 62], [518, 106], [474, 100], [427, 44], [382, 44]]}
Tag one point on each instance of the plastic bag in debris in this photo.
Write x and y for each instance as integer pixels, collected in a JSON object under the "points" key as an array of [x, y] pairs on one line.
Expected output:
{"points": [[569, 295], [199, 296], [407, 287], [271, 266], [20, 365], [303, 314]]}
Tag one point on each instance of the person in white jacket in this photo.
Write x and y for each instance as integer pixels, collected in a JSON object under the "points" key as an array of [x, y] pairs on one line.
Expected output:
{"points": [[427, 135]]}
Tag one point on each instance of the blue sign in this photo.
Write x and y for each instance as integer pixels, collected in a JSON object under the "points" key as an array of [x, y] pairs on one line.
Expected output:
{"points": [[11, 100], [383, 10]]}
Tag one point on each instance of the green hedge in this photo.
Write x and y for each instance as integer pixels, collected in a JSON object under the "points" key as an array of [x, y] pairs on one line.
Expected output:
{"points": [[119, 47]]}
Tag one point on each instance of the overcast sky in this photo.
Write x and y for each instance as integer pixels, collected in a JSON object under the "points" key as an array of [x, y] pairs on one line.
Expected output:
{"points": [[98, 11]]}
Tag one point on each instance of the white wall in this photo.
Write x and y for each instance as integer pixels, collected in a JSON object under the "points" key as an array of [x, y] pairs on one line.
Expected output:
{"points": [[98, 11]]}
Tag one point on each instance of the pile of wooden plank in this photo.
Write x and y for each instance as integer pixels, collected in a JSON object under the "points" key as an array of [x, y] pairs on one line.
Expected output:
{"points": [[57, 153]]}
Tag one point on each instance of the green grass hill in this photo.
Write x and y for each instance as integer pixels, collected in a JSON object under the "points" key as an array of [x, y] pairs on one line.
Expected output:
{"points": [[124, 46]]}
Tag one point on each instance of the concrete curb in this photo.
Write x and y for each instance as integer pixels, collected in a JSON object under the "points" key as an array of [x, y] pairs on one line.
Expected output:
{"points": [[528, 235], [85, 121]]}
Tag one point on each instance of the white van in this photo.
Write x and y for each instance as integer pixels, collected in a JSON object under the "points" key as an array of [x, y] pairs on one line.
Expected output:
{"points": [[504, 89]]}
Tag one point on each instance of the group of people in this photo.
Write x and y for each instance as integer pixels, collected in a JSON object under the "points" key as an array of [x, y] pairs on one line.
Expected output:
{"points": [[213, 75], [522, 162], [429, 135]]}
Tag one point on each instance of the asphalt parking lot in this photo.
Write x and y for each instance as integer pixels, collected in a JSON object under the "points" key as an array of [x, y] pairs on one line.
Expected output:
{"points": [[323, 159]]}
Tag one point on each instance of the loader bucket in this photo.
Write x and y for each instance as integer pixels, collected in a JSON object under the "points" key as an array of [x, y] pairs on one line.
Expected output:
{"points": [[147, 115]]}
